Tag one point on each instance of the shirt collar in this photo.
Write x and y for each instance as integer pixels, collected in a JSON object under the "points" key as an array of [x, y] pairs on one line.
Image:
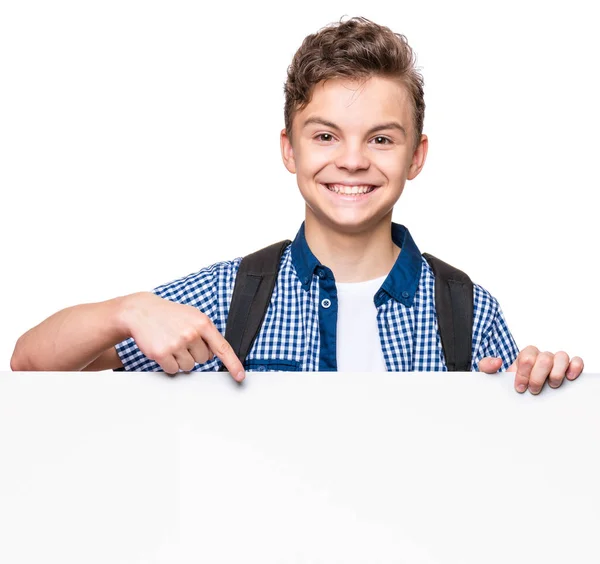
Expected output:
{"points": [[402, 281], [303, 259]]}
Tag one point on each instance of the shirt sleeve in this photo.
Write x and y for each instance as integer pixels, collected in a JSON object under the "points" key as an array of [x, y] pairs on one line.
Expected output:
{"points": [[491, 336], [209, 290]]}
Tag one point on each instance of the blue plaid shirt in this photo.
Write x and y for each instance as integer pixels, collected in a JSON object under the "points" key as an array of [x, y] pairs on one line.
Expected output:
{"points": [[299, 329]]}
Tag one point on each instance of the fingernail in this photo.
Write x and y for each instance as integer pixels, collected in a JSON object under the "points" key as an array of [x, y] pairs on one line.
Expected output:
{"points": [[241, 375], [570, 375], [534, 391], [521, 388]]}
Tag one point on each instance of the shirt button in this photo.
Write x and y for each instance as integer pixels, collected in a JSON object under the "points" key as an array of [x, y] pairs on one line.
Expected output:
{"points": [[326, 303], [306, 280], [321, 273], [405, 295], [261, 368]]}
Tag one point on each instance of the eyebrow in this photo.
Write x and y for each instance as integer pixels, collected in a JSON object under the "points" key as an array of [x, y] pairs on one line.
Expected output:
{"points": [[378, 127]]}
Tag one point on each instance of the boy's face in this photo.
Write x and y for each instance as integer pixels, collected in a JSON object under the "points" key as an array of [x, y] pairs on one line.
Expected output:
{"points": [[353, 136]]}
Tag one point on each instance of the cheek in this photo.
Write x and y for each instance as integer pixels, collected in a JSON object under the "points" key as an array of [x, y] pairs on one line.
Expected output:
{"points": [[310, 162], [391, 164]]}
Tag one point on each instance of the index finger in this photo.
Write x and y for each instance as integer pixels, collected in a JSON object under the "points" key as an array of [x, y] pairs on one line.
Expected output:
{"points": [[221, 347], [525, 361]]}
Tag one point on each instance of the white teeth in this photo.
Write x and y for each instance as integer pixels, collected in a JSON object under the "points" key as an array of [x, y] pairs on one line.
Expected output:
{"points": [[349, 190]]}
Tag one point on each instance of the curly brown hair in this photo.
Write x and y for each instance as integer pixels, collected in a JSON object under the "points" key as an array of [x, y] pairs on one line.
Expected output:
{"points": [[357, 49]]}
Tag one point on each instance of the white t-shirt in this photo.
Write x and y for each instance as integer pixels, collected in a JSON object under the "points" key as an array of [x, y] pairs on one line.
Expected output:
{"points": [[358, 342]]}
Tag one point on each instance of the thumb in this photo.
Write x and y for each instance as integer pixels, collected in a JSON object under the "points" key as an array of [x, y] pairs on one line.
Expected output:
{"points": [[490, 364]]}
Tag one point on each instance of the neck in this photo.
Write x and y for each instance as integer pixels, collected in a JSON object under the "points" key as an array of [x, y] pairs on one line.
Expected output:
{"points": [[353, 257]]}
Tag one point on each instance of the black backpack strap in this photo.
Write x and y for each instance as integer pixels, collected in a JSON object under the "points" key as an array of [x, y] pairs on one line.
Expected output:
{"points": [[454, 305], [252, 293]]}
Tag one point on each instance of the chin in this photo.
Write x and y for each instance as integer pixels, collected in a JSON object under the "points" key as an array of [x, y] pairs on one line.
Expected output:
{"points": [[349, 225]]}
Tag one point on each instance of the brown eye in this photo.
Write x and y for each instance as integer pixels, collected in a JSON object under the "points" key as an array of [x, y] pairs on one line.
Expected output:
{"points": [[324, 137], [379, 140]]}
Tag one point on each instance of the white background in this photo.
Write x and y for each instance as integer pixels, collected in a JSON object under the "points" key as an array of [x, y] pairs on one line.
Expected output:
{"points": [[139, 142]]}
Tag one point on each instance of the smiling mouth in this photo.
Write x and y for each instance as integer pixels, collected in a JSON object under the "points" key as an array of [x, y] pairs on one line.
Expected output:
{"points": [[345, 190]]}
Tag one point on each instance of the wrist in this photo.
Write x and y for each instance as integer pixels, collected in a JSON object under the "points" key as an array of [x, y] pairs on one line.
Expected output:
{"points": [[125, 309]]}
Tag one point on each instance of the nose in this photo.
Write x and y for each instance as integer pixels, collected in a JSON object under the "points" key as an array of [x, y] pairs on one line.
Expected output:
{"points": [[351, 157]]}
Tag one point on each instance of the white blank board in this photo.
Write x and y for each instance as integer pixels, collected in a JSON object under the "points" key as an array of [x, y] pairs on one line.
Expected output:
{"points": [[297, 467]]}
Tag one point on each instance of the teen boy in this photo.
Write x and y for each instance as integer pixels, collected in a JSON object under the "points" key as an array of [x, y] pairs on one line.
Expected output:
{"points": [[353, 291]]}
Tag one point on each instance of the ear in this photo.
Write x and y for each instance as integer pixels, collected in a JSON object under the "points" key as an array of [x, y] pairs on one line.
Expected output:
{"points": [[287, 152], [418, 159]]}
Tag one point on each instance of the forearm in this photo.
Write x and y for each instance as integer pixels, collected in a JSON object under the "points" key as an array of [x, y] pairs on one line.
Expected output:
{"points": [[72, 338]]}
